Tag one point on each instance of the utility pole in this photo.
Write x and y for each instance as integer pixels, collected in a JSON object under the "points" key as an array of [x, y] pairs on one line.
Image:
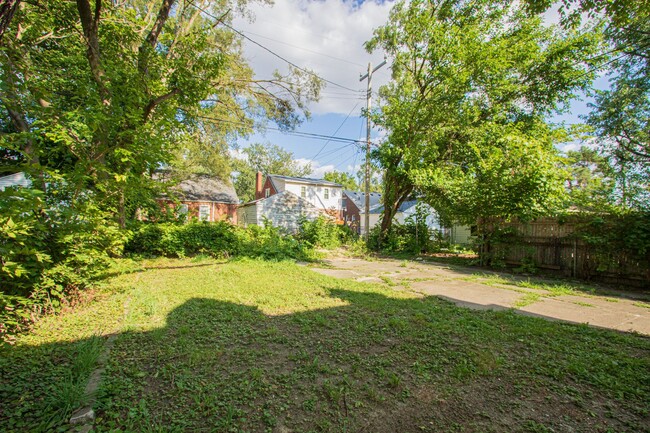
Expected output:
{"points": [[368, 102]]}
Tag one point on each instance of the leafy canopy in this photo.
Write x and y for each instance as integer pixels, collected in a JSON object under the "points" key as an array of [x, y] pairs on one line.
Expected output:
{"points": [[473, 82]]}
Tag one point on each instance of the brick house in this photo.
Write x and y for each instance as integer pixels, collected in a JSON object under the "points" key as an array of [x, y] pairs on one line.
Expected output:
{"points": [[354, 207], [205, 198]]}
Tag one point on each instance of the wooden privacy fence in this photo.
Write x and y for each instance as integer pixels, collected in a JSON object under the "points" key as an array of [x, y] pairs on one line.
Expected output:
{"points": [[551, 245]]}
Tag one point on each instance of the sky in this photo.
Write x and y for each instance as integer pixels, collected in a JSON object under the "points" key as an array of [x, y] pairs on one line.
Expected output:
{"points": [[327, 37]]}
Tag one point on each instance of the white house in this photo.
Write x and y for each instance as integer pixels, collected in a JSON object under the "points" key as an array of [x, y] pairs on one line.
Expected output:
{"points": [[284, 209], [355, 216], [322, 194], [284, 201]]}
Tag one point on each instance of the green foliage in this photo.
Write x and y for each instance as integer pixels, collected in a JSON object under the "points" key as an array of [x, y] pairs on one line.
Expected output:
{"points": [[48, 252], [412, 237], [465, 114], [218, 239], [96, 96], [347, 180], [324, 233], [616, 238]]}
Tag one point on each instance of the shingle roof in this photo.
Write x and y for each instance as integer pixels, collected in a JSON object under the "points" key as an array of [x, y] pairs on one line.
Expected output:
{"points": [[359, 199], [206, 188], [304, 180], [16, 179], [402, 208]]}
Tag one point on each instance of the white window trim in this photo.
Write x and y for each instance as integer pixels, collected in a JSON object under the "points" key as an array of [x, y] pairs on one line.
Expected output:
{"points": [[326, 193], [202, 208], [303, 191], [267, 192]]}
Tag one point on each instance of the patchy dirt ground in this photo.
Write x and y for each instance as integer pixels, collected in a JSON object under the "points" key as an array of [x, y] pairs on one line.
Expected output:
{"points": [[474, 288]]}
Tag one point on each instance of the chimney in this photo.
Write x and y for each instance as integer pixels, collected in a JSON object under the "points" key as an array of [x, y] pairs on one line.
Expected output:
{"points": [[258, 185]]}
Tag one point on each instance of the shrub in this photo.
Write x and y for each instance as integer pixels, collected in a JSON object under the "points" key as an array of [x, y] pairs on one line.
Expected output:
{"points": [[48, 250], [322, 232], [218, 239]]}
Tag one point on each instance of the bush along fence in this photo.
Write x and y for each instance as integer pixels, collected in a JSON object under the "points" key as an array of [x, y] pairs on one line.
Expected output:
{"points": [[612, 248]]}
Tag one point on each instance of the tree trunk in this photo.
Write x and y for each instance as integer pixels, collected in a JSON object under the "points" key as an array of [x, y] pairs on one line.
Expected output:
{"points": [[396, 190]]}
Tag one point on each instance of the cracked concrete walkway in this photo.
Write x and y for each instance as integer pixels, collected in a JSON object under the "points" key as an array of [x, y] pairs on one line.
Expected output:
{"points": [[476, 288]]}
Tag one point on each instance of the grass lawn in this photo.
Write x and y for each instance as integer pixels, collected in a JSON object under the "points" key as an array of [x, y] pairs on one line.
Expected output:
{"points": [[207, 346]]}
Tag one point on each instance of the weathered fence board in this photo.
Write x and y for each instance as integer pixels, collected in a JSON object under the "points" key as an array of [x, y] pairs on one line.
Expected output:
{"points": [[548, 244]]}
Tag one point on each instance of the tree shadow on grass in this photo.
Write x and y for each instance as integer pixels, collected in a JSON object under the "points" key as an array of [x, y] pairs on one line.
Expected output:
{"points": [[374, 364]]}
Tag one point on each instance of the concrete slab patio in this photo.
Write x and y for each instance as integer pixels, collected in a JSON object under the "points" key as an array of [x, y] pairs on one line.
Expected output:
{"points": [[476, 288]]}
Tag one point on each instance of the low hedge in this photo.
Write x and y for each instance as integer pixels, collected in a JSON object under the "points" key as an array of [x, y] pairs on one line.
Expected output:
{"points": [[218, 239]]}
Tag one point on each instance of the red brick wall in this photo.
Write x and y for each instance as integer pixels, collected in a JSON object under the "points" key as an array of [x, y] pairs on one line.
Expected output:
{"points": [[218, 211], [351, 210], [267, 184]]}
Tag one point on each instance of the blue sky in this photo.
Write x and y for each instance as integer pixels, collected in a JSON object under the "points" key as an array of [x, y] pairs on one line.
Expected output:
{"points": [[327, 37]]}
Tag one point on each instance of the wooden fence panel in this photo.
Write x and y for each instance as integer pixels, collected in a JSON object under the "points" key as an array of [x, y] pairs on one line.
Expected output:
{"points": [[549, 245]]}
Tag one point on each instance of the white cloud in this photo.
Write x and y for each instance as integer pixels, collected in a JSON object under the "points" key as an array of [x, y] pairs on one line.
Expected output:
{"points": [[324, 36], [238, 154]]}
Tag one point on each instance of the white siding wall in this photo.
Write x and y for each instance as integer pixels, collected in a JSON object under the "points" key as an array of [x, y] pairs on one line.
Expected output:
{"points": [[374, 220], [432, 217], [282, 210], [248, 215], [460, 234], [316, 194]]}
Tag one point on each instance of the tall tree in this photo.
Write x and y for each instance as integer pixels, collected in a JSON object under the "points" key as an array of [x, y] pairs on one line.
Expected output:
{"points": [[347, 180], [267, 159], [620, 114], [473, 81], [117, 89]]}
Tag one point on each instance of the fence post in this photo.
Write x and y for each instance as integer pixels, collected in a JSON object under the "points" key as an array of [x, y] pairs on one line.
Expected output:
{"points": [[575, 258]]}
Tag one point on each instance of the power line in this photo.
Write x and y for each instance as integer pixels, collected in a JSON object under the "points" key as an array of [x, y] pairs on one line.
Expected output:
{"points": [[307, 71], [337, 129], [302, 48], [302, 134]]}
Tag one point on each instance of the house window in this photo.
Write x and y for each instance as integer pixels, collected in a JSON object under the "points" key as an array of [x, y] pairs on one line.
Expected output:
{"points": [[267, 192], [303, 191], [352, 217], [204, 212], [181, 211], [326, 193]]}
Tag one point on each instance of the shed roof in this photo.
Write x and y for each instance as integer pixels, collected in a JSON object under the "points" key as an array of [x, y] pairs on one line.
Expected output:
{"points": [[206, 188]]}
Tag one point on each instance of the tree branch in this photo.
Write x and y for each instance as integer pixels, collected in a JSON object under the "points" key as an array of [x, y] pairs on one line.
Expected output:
{"points": [[157, 101], [90, 25]]}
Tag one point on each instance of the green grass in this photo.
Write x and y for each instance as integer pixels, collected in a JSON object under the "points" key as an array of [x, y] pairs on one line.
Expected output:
{"points": [[253, 346], [543, 288]]}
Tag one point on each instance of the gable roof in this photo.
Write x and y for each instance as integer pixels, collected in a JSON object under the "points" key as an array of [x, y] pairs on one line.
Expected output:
{"points": [[16, 179], [359, 199], [402, 208], [307, 180], [206, 188]]}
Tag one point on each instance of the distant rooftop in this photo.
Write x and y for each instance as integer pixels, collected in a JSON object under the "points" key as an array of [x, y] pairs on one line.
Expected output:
{"points": [[305, 180], [206, 188], [359, 199], [402, 208]]}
